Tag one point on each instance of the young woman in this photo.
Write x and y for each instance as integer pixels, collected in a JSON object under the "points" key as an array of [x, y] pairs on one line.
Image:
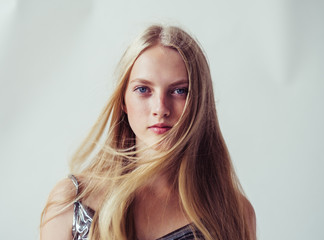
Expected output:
{"points": [[155, 164]]}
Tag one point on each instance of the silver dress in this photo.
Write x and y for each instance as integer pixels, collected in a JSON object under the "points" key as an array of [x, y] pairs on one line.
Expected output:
{"points": [[83, 215]]}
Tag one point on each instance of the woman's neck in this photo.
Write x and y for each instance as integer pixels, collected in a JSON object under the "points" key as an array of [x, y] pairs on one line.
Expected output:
{"points": [[157, 209], [160, 186]]}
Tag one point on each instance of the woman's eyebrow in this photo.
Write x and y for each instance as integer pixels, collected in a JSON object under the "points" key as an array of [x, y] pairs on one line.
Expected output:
{"points": [[147, 82], [140, 80], [180, 82]]}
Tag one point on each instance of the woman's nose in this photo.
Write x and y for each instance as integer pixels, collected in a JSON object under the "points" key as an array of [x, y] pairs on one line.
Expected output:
{"points": [[160, 106]]}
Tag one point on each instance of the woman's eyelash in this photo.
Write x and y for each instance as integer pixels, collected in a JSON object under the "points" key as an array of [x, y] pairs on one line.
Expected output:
{"points": [[141, 89], [180, 91], [177, 91]]}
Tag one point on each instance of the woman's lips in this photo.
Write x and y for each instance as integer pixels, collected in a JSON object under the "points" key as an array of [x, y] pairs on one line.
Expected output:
{"points": [[159, 128]]}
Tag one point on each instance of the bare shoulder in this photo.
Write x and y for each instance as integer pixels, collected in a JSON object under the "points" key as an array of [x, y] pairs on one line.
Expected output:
{"points": [[249, 216], [63, 189], [57, 217]]}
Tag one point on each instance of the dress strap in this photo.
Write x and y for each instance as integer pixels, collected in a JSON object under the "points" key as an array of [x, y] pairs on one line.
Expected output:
{"points": [[82, 216], [75, 182]]}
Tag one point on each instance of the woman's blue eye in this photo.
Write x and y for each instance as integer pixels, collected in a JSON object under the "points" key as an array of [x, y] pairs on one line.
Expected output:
{"points": [[142, 89], [181, 91]]}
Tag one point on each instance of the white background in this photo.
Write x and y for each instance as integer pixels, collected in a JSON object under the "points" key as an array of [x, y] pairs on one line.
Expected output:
{"points": [[57, 59]]}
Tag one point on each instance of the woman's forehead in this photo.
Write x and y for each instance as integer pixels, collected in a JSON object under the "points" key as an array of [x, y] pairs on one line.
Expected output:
{"points": [[159, 62]]}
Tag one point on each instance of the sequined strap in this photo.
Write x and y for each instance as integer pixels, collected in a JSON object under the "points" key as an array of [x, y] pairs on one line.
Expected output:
{"points": [[75, 182], [188, 232], [82, 216]]}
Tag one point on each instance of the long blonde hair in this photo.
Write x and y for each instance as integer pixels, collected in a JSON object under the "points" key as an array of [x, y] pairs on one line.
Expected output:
{"points": [[196, 157]]}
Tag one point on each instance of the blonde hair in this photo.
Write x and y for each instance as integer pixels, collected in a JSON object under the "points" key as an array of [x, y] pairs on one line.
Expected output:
{"points": [[193, 153]]}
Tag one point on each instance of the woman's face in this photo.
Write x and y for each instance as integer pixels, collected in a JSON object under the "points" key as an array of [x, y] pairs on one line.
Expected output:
{"points": [[156, 93]]}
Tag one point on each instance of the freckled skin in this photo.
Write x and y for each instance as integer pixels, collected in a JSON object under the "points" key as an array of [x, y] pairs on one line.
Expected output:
{"points": [[156, 93]]}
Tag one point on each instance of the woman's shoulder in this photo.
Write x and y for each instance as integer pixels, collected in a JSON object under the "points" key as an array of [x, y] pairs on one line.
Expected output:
{"points": [[70, 188], [63, 190], [58, 212], [249, 214]]}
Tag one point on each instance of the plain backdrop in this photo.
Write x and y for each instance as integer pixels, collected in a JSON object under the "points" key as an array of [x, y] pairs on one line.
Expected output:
{"points": [[57, 60]]}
